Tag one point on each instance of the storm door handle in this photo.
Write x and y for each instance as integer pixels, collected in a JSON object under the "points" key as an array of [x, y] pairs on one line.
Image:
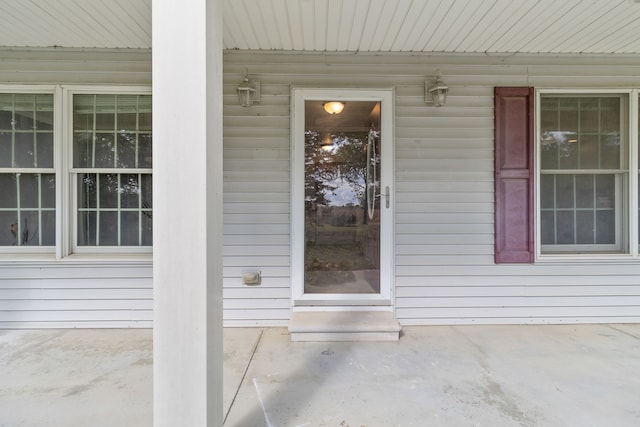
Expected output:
{"points": [[386, 196]]}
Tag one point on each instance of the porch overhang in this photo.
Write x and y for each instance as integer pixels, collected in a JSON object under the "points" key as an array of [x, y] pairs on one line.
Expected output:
{"points": [[417, 26]]}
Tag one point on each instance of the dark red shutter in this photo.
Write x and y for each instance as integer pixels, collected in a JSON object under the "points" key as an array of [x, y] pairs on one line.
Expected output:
{"points": [[513, 174]]}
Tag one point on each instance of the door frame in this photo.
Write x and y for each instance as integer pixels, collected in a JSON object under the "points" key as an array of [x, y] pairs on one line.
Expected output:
{"points": [[386, 97]]}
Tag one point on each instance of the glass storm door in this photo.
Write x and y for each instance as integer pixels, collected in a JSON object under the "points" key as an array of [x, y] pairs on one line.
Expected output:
{"points": [[346, 200]]}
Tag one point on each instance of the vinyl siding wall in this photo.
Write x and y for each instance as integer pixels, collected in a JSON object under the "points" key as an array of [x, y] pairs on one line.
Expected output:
{"points": [[445, 271], [101, 292]]}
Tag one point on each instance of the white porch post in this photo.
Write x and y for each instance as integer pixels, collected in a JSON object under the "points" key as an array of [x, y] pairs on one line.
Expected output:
{"points": [[187, 204]]}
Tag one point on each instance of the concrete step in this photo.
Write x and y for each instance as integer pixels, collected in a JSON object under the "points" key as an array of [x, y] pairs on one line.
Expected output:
{"points": [[344, 326]]}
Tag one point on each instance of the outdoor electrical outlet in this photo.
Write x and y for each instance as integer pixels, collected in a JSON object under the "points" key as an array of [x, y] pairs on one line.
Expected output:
{"points": [[251, 277]]}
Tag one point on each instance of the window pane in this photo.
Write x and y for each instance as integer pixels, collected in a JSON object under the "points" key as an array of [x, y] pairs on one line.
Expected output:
{"points": [[578, 209], [114, 209], [609, 115], [584, 191], [87, 190], [29, 188], [87, 228], [27, 209], [129, 228], [9, 190], [146, 188], [589, 118], [48, 189], [144, 115], [147, 234], [24, 149], [585, 228], [127, 112], [113, 132], [547, 191], [104, 150], [580, 133], [48, 228], [6, 111], [105, 112], [44, 150], [5, 149], [126, 150], [144, 151], [26, 130], [565, 228], [610, 149], [564, 191], [129, 191], [105, 121], [108, 190], [29, 228], [23, 120], [547, 227], [589, 152], [569, 152], [9, 228], [605, 227], [83, 111], [44, 120], [108, 228], [584, 210], [83, 150], [605, 191], [549, 150]]}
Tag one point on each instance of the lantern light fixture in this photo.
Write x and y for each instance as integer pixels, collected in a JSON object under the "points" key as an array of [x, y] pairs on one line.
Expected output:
{"points": [[436, 91], [333, 107], [248, 91]]}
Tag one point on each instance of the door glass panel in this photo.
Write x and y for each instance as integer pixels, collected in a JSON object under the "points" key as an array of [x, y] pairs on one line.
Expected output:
{"points": [[342, 202]]}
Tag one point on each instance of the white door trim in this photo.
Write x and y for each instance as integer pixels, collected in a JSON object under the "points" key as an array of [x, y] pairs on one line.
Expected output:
{"points": [[385, 297]]}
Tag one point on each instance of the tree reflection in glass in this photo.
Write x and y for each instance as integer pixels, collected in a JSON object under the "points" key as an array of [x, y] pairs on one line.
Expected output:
{"points": [[342, 241]]}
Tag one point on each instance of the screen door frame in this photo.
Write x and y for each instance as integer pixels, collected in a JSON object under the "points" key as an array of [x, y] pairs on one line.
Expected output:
{"points": [[386, 99]]}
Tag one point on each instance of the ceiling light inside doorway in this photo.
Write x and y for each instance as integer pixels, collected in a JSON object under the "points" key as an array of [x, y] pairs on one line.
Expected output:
{"points": [[333, 107]]}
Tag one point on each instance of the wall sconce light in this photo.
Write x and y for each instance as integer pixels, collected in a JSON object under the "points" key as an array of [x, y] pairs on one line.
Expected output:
{"points": [[333, 107], [249, 92], [435, 92]]}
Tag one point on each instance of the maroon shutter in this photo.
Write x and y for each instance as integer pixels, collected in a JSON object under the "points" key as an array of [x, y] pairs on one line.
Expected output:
{"points": [[513, 175]]}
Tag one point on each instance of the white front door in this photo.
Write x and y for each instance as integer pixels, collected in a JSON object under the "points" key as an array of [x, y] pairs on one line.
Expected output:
{"points": [[342, 207]]}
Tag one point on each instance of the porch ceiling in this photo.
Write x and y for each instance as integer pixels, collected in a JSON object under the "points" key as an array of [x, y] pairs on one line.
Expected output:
{"points": [[456, 26]]}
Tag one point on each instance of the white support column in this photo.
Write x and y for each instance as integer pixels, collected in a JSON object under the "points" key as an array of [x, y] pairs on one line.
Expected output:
{"points": [[187, 209]]}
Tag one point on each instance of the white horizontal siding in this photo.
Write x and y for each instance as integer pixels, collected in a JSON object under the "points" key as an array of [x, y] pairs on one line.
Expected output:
{"points": [[75, 294], [445, 272], [444, 195], [76, 66]]}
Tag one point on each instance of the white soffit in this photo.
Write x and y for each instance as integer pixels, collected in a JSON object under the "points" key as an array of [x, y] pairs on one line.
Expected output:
{"points": [[455, 26], [75, 23]]}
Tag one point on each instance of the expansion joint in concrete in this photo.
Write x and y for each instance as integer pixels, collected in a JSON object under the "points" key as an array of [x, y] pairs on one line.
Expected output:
{"points": [[244, 374]]}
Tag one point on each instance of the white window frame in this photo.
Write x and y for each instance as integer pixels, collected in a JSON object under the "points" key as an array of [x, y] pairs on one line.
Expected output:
{"points": [[71, 243], [19, 251], [66, 188], [627, 208]]}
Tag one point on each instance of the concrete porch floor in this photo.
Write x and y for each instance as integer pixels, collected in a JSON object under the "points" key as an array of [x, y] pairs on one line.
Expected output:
{"points": [[584, 375]]}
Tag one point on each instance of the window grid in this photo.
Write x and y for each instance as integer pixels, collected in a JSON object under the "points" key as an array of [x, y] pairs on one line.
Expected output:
{"points": [[26, 154], [143, 210], [575, 211], [118, 168], [563, 143]]}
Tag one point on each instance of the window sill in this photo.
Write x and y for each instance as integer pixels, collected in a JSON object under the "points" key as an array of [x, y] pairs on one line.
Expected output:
{"points": [[49, 259], [588, 258]]}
